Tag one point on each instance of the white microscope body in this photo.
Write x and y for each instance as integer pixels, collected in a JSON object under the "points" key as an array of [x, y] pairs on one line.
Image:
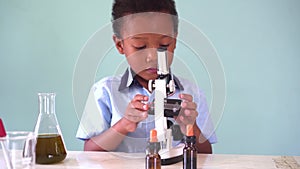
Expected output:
{"points": [[163, 87]]}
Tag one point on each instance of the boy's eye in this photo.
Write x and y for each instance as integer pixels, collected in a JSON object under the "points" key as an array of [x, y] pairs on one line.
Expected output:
{"points": [[164, 46], [140, 47]]}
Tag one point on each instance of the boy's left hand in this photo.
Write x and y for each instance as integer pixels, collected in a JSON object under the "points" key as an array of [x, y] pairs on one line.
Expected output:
{"points": [[188, 112]]}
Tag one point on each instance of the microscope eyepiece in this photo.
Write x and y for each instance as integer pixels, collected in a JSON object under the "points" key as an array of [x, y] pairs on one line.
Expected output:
{"points": [[161, 49]]}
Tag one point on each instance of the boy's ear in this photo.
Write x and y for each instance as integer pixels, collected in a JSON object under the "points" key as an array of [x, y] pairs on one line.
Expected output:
{"points": [[175, 40], [118, 44]]}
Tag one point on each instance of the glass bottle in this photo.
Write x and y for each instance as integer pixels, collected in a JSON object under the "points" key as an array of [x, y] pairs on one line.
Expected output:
{"points": [[50, 146], [153, 160], [189, 150]]}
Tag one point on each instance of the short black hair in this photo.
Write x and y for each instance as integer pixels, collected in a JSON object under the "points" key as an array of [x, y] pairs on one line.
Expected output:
{"points": [[125, 7]]}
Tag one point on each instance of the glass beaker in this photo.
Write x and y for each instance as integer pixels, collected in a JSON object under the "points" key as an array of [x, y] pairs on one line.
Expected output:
{"points": [[50, 146]]}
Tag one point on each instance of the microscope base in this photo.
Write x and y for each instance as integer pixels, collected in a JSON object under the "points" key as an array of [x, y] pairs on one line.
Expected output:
{"points": [[172, 156]]}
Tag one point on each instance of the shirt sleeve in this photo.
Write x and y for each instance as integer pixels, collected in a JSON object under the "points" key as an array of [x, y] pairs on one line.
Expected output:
{"points": [[96, 115], [204, 120]]}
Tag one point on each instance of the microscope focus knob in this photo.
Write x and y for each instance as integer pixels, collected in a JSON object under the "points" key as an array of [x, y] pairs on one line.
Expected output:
{"points": [[151, 85], [171, 86]]}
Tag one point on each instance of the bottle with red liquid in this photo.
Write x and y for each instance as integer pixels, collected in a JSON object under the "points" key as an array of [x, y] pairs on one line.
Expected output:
{"points": [[50, 146], [153, 160], [189, 151]]}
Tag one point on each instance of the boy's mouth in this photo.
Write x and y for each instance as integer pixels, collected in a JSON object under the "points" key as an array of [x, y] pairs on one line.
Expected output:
{"points": [[152, 70]]}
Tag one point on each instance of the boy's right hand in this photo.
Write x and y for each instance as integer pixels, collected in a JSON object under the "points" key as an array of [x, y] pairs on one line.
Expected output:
{"points": [[136, 111]]}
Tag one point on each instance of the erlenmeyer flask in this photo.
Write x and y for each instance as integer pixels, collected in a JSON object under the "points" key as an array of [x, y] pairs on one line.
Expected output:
{"points": [[50, 146]]}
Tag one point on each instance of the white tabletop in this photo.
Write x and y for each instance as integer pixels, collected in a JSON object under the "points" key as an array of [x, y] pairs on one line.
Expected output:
{"points": [[107, 160]]}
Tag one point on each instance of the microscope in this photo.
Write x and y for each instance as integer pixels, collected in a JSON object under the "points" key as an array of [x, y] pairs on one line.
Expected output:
{"points": [[163, 87]]}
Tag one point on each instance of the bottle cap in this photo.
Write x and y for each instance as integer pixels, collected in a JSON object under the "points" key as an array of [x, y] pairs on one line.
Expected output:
{"points": [[189, 130], [153, 136], [2, 129]]}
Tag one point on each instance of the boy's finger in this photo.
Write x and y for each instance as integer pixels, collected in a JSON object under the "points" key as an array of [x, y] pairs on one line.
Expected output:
{"points": [[186, 97], [140, 97], [186, 120], [137, 113], [189, 105], [138, 105], [191, 113]]}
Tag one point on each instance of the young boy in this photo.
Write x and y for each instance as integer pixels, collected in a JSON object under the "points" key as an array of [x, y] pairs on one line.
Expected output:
{"points": [[121, 121]]}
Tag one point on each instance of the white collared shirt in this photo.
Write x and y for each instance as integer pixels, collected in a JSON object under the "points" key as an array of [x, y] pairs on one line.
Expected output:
{"points": [[107, 102]]}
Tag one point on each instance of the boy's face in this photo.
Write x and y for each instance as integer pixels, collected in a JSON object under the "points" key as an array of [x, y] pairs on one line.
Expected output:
{"points": [[142, 35]]}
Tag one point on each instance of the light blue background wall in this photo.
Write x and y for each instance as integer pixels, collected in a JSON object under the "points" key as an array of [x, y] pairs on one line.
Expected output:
{"points": [[257, 41]]}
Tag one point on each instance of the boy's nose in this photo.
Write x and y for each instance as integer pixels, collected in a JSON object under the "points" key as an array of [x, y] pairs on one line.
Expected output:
{"points": [[151, 55]]}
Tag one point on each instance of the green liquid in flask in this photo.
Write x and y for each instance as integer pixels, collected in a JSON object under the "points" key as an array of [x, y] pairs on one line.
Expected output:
{"points": [[50, 149]]}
